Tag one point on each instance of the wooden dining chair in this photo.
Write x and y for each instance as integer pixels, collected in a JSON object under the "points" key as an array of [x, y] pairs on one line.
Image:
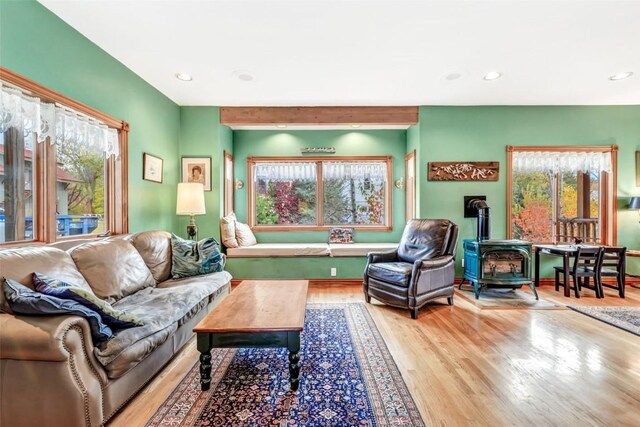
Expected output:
{"points": [[586, 266], [614, 265]]}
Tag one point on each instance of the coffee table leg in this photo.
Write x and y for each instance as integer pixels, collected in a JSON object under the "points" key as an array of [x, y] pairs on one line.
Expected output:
{"points": [[293, 339], [204, 347]]}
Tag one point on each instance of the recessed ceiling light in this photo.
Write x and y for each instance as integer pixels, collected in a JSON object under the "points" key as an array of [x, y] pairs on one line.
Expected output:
{"points": [[184, 77], [453, 76], [492, 75], [281, 126], [245, 76], [355, 126], [621, 76]]}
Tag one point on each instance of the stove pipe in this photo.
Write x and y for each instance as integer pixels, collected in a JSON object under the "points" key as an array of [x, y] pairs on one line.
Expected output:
{"points": [[484, 219]]}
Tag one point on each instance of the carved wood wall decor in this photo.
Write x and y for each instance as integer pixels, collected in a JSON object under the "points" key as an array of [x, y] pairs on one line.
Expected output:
{"points": [[464, 171]]}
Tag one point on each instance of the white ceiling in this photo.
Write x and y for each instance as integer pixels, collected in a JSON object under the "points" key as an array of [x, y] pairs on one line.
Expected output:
{"points": [[387, 52]]}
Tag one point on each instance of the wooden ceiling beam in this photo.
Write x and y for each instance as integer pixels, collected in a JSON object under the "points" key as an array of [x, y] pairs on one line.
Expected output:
{"points": [[260, 116]]}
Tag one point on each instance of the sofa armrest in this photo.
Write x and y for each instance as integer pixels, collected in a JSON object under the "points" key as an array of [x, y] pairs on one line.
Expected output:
{"points": [[43, 338], [376, 257], [47, 362]]}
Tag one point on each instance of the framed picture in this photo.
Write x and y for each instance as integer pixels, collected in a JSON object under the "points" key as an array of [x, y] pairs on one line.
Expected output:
{"points": [[197, 169], [151, 168], [341, 235]]}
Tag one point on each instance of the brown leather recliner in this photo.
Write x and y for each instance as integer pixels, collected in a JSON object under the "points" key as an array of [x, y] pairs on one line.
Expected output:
{"points": [[420, 270]]}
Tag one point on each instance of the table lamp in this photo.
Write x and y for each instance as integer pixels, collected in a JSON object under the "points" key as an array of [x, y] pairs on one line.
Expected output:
{"points": [[191, 202], [634, 203]]}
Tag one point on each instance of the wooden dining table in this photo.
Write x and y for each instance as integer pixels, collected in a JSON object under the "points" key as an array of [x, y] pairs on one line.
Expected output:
{"points": [[565, 251]]}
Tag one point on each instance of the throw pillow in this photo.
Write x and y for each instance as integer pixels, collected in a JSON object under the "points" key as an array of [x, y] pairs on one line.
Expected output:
{"points": [[116, 319], [245, 235], [191, 258], [25, 301], [113, 268], [228, 231]]}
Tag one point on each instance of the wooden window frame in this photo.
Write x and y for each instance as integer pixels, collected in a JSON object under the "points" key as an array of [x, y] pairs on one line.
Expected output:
{"points": [[609, 218], [410, 186], [228, 183], [319, 226], [116, 170]]}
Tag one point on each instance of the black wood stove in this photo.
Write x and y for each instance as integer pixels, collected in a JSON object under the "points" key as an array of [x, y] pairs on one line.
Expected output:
{"points": [[495, 263]]}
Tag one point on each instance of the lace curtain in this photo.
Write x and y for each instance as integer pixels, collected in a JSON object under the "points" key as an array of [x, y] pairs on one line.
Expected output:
{"points": [[567, 161], [288, 171], [291, 171], [31, 115], [375, 171]]}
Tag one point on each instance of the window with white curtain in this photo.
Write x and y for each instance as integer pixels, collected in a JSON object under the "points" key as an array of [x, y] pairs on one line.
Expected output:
{"points": [[320, 192], [59, 169], [563, 195]]}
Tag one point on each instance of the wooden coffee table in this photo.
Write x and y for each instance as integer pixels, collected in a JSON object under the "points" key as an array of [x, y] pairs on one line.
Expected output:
{"points": [[258, 313]]}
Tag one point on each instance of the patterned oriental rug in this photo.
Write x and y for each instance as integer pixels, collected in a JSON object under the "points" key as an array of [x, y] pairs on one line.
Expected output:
{"points": [[627, 318], [347, 378]]}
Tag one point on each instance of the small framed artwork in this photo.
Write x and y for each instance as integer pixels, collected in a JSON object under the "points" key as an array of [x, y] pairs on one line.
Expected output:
{"points": [[197, 169], [151, 168], [341, 235]]}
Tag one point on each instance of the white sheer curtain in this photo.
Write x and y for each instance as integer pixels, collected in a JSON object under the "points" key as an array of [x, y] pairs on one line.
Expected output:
{"points": [[285, 171], [375, 171], [31, 115], [562, 161]]}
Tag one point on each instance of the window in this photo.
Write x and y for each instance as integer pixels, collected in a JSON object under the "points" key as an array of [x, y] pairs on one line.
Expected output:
{"points": [[319, 193], [562, 194], [62, 166]]}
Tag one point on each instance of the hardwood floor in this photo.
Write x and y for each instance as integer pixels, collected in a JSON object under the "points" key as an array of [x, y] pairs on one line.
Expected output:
{"points": [[470, 367]]}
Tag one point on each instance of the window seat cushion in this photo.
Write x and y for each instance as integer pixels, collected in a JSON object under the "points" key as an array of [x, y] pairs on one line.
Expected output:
{"points": [[287, 250], [359, 249], [267, 250]]}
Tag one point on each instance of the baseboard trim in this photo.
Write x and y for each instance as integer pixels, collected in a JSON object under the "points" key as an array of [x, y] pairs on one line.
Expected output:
{"points": [[312, 282], [546, 281]]}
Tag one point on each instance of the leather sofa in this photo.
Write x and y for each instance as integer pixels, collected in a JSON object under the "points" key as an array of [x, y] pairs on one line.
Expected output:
{"points": [[52, 374], [420, 270]]}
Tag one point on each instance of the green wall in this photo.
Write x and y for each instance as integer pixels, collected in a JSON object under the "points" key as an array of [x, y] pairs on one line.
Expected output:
{"points": [[482, 134], [288, 143], [201, 134], [347, 143], [37, 44]]}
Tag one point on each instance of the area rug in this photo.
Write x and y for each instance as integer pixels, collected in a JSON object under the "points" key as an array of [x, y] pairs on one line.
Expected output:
{"points": [[496, 299], [347, 378], [627, 318]]}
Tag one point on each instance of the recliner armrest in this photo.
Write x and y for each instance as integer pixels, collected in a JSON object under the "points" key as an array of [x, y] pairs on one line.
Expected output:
{"points": [[432, 263], [376, 257]]}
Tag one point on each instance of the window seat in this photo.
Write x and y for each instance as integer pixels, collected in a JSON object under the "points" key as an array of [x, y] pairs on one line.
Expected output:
{"points": [[288, 250]]}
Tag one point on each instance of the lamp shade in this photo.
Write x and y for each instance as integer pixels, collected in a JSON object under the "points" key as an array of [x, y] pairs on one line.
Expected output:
{"points": [[634, 203], [190, 199]]}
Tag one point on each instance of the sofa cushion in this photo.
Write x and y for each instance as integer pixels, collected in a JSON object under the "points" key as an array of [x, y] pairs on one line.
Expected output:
{"points": [[162, 310], [398, 273], [113, 268], [116, 319], [228, 231], [275, 250], [155, 248], [29, 302], [19, 263], [190, 258], [359, 249], [245, 235]]}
